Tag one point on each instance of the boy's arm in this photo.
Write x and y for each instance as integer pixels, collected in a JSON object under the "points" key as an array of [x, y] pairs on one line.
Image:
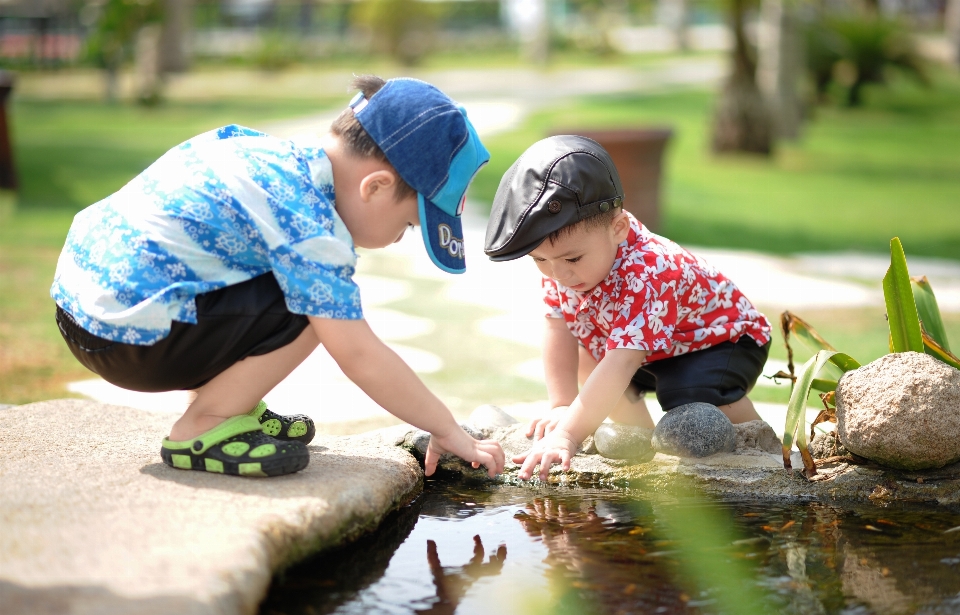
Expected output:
{"points": [[596, 400], [560, 362], [390, 382]]}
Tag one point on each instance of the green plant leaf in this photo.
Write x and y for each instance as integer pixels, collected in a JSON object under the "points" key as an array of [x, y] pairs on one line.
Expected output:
{"points": [[791, 324], [798, 404], [901, 310], [932, 348], [824, 386], [929, 311]]}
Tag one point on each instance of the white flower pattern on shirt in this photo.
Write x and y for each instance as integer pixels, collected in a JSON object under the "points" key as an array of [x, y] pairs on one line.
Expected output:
{"points": [[657, 297], [217, 210]]}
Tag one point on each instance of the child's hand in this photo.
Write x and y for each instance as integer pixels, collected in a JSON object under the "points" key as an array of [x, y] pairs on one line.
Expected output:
{"points": [[486, 453], [558, 447], [540, 427]]}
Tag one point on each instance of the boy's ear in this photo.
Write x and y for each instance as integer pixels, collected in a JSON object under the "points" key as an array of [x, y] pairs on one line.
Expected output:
{"points": [[377, 184], [621, 226]]}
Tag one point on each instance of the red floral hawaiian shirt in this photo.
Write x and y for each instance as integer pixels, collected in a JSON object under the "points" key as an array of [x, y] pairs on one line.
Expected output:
{"points": [[658, 297]]}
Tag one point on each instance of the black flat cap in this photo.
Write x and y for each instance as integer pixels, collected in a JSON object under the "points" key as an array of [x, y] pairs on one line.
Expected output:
{"points": [[555, 183]]}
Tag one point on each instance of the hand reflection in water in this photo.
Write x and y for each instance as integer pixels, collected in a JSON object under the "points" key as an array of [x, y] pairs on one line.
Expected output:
{"points": [[452, 582], [561, 529]]}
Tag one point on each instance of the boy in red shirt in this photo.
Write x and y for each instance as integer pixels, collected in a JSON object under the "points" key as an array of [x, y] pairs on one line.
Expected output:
{"points": [[628, 311]]}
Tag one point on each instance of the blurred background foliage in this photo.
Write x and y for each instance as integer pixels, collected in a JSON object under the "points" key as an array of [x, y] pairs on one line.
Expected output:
{"points": [[872, 149]]}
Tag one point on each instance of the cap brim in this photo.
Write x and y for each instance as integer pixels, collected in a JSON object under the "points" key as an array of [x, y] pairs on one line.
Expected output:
{"points": [[442, 236]]}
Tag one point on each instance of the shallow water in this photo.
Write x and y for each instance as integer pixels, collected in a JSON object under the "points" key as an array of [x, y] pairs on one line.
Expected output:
{"points": [[506, 549]]}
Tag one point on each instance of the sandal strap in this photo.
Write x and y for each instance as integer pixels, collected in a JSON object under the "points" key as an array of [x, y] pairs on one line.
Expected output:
{"points": [[259, 410], [231, 427]]}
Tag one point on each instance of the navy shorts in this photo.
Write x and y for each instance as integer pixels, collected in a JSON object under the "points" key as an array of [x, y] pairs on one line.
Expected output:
{"points": [[718, 375], [233, 323]]}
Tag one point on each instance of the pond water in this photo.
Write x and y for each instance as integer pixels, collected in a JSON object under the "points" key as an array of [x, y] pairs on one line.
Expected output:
{"points": [[511, 549]]}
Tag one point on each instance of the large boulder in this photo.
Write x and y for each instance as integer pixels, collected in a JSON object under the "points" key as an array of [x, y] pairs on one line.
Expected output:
{"points": [[902, 411], [694, 430]]}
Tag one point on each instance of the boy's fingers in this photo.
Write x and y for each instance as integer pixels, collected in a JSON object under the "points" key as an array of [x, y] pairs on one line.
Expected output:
{"points": [[519, 458], [430, 461], [531, 427], [548, 459], [526, 471], [495, 451], [565, 459], [541, 426]]}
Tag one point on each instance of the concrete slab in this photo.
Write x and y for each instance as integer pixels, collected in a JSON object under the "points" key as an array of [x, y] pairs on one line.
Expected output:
{"points": [[94, 523]]}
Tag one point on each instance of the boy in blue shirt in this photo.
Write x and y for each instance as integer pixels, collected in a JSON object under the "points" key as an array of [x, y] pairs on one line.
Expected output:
{"points": [[224, 264]]}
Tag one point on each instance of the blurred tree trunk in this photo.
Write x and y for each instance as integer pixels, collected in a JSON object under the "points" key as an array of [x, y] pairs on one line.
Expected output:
{"points": [[675, 14], [742, 121], [306, 17], [147, 58], [952, 26], [174, 36], [780, 66]]}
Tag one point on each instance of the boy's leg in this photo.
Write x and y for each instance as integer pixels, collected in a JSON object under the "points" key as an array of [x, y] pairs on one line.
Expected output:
{"points": [[741, 411], [721, 375], [627, 411], [240, 387]]}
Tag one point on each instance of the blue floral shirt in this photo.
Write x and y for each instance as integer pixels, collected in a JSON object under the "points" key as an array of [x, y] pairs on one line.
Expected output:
{"points": [[219, 209]]}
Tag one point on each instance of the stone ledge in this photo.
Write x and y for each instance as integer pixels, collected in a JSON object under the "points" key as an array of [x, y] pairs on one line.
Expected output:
{"points": [[96, 524], [746, 473]]}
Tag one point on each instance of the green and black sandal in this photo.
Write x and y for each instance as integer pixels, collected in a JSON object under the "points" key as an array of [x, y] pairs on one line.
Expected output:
{"points": [[236, 446], [296, 428]]}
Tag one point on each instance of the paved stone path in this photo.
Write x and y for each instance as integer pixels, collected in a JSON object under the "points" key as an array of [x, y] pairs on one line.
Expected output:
{"points": [[94, 523]]}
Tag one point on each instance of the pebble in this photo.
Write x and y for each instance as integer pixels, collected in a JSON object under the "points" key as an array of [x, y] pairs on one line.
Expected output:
{"points": [[616, 441], [489, 417], [694, 430]]}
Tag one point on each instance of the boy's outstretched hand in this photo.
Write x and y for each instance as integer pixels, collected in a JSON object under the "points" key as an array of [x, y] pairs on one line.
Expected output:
{"points": [[556, 447], [540, 427], [486, 453]]}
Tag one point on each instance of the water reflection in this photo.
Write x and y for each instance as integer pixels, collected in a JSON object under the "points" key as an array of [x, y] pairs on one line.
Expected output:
{"points": [[587, 551], [452, 582]]}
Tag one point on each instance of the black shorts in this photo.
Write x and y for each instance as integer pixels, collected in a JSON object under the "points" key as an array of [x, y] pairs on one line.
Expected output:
{"points": [[233, 323], [718, 375]]}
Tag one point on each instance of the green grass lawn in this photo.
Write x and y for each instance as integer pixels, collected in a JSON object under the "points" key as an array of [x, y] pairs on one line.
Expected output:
{"points": [[856, 179]]}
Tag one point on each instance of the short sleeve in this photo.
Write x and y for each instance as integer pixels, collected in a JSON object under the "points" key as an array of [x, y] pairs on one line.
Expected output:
{"points": [[314, 288], [646, 313], [551, 298]]}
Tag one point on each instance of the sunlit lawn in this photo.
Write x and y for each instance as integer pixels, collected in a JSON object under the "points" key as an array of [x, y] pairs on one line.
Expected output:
{"points": [[855, 179]]}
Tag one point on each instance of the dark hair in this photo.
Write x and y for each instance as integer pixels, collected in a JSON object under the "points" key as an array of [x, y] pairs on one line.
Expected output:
{"points": [[596, 221], [356, 139]]}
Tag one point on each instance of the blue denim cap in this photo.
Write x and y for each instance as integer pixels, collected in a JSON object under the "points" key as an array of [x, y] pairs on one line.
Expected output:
{"points": [[434, 147]]}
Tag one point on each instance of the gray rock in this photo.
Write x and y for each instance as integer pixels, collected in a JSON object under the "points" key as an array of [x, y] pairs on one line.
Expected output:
{"points": [[488, 417], [826, 445], [749, 474], [417, 440], [757, 436], [96, 523], [616, 441], [901, 411], [5, 406], [694, 430]]}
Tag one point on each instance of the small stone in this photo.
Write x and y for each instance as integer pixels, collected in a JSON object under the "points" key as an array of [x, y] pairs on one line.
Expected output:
{"points": [[616, 441], [694, 430], [826, 445], [757, 435], [488, 417], [588, 446], [901, 411]]}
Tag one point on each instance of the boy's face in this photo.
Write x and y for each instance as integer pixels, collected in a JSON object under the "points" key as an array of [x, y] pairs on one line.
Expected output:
{"points": [[582, 259]]}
